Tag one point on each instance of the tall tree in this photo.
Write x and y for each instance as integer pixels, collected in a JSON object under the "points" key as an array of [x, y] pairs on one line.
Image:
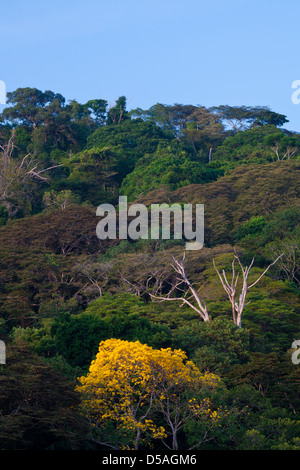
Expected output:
{"points": [[128, 384], [241, 118], [118, 113], [239, 304], [98, 108], [194, 301], [28, 104]]}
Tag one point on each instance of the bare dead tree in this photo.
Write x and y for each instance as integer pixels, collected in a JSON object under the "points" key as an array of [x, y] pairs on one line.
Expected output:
{"points": [[287, 153], [15, 173], [231, 288], [7, 150], [198, 304], [35, 172], [200, 307]]}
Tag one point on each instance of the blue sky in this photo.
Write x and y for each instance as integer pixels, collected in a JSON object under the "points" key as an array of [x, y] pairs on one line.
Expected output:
{"points": [[236, 52]]}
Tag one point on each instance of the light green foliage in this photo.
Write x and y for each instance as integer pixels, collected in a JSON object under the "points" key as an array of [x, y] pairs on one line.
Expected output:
{"points": [[171, 167]]}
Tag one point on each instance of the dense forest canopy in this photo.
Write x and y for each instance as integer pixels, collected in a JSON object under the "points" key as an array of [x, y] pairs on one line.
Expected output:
{"points": [[68, 298]]}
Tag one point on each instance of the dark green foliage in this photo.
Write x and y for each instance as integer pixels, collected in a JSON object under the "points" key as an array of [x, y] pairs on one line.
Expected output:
{"points": [[274, 376], [77, 337], [3, 216], [273, 324], [214, 346], [38, 405]]}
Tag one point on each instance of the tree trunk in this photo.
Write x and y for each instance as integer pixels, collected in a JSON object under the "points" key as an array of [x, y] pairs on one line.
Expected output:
{"points": [[137, 439]]}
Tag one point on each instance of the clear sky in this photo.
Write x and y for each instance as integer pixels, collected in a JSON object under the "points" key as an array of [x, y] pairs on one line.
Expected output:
{"points": [[201, 52]]}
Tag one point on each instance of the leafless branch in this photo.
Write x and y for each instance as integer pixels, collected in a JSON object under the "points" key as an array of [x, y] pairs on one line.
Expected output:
{"points": [[201, 306], [231, 289]]}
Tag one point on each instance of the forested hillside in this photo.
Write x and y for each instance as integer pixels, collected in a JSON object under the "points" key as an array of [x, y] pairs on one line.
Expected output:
{"points": [[102, 349]]}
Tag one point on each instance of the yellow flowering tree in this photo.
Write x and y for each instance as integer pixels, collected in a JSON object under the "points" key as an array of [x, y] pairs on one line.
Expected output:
{"points": [[132, 387]]}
